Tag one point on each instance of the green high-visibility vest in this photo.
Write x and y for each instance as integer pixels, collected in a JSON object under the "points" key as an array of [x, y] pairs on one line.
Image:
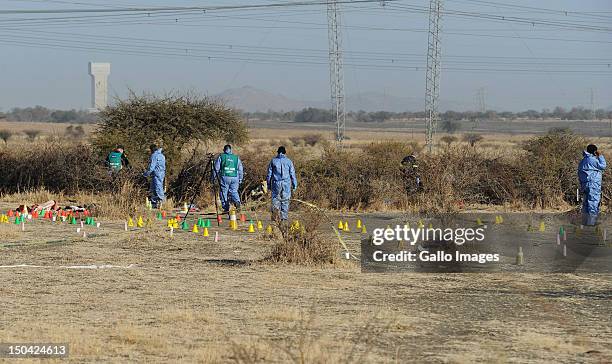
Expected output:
{"points": [[114, 160], [229, 165]]}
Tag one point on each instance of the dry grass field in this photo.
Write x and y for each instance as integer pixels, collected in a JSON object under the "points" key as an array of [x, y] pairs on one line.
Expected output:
{"points": [[143, 296]]}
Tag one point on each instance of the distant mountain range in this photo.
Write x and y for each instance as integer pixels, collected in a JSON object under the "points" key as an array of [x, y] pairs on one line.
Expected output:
{"points": [[252, 99]]}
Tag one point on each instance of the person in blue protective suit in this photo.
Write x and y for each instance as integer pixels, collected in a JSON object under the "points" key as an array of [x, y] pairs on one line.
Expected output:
{"points": [[157, 172], [230, 173], [282, 181], [590, 171]]}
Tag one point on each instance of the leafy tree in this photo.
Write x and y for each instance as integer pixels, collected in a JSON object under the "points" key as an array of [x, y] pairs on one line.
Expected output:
{"points": [[172, 121], [61, 116], [313, 115], [450, 126]]}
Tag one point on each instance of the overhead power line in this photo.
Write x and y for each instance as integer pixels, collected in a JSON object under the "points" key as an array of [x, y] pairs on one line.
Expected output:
{"points": [[185, 8]]}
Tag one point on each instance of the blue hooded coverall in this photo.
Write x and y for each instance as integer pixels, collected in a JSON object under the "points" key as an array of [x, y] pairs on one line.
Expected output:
{"points": [[157, 171], [281, 180], [590, 171], [228, 184]]}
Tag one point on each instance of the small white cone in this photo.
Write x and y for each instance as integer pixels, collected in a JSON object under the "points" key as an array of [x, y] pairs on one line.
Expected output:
{"points": [[565, 250], [558, 239], [84, 234], [347, 255], [216, 236], [54, 218], [125, 226], [81, 223], [564, 235], [581, 227], [171, 231], [22, 226], [29, 216], [98, 225], [78, 230]]}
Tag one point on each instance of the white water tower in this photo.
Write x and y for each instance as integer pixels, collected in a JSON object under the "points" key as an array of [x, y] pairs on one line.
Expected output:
{"points": [[99, 85]]}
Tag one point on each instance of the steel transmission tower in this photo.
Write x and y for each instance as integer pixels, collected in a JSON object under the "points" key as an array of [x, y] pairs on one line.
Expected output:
{"points": [[432, 78], [336, 72], [482, 106]]}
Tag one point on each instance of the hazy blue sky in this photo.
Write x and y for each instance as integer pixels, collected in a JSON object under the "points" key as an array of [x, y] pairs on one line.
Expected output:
{"points": [[44, 61]]}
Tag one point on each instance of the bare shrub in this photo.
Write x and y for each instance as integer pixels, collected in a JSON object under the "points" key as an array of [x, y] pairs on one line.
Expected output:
{"points": [[76, 132], [549, 171], [307, 140], [448, 139], [31, 134], [5, 135], [177, 122], [304, 244], [472, 138]]}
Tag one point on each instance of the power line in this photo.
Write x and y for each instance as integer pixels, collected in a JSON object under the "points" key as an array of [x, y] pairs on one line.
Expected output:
{"points": [[504, 18], [184, 8], [285, 53]]}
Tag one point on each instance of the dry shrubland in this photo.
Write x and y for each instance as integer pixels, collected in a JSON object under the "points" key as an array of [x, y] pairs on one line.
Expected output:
{"points": [[541, 174]]}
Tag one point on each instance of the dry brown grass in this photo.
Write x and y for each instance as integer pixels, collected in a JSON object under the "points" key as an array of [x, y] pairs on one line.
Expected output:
{"points": [[303, 243]]}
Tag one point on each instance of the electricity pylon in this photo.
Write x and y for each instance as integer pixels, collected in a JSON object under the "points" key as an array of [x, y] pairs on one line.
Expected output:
{"points": [[336, 72], [432, 78]]}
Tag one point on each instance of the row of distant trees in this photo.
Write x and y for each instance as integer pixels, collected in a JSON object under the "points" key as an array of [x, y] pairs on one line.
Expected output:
{"points": [[43, 114], [316, 115]]}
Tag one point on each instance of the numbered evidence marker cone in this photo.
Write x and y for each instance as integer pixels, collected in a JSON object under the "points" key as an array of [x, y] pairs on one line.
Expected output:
{"points": [[542, 226], [251, 228], [363, 229], [269, 229], [184, 225], [195, 229], [519, 256], [359, 224], [216, 236], [140, 222], [346, 227], [340, 225], [130, 222], [232, 222], [205, 232], [259, 225]]}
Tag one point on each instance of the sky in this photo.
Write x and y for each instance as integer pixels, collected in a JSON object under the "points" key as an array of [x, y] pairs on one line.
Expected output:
{"points": [[537, 57]]}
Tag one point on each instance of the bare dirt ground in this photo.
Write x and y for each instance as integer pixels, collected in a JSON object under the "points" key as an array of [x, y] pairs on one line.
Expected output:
{"points": [[142, 296]]}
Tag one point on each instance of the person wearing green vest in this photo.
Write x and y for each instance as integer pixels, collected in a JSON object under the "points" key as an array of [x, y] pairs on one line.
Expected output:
{"points": [[229, 173], [117, 160]]}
